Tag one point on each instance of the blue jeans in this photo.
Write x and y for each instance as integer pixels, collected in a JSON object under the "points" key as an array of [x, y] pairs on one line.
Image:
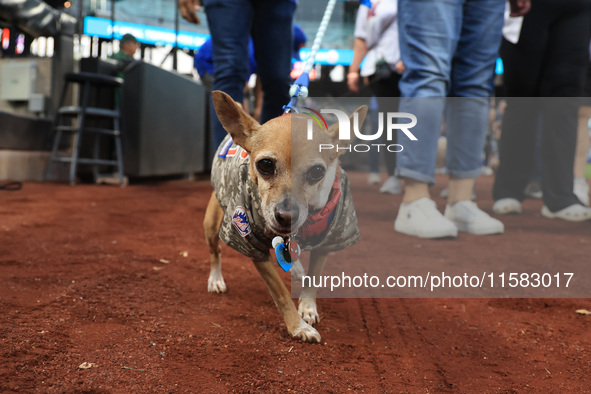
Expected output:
{"points": [[449, 48], [269, 23]]}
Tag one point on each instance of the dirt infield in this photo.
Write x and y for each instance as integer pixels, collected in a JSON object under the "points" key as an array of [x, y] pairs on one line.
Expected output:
{"points": [[118, 278]]}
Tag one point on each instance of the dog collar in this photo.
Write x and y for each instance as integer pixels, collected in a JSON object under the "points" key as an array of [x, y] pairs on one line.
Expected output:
{"points": [[288, 251], [317, 223]]}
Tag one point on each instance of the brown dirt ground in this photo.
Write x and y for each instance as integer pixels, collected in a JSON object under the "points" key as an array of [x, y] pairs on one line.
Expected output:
{"points": [[81, 281]]}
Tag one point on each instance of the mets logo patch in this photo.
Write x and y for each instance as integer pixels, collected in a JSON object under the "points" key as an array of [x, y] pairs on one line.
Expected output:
{"points": [[240, 221]]}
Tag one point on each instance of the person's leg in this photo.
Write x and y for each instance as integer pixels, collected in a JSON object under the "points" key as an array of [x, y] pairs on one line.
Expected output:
{"points": [[516, 148], [373, 156], [207, 80], [582, 141], [467, 112], [388, 94], [534, 186], [390, 104], [468, 109], [566, 62], [559, 140], [429, 31], [523, 66], [466, 132], [229, 23], [581, 187], [272, 36]]}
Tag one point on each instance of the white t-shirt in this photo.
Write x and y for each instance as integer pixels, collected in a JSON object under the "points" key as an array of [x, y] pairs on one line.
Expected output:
{"points": [[378, 26]]}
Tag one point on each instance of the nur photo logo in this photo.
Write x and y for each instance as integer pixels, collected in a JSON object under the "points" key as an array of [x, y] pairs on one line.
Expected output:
{"points": [[388, 122]]}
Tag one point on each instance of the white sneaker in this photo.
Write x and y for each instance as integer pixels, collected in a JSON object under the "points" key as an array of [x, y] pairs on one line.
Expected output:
{"points": [[391, 186], [422, 219], [581, 190], [505, 206], [374, 178], [469, 218], [573, 213]]}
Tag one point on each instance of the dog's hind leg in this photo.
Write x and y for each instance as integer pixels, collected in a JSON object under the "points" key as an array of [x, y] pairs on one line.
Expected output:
{"points": [[307, 306], [297, 327], [211, 225]]}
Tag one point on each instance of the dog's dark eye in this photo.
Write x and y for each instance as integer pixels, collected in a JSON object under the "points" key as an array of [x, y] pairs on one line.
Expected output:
{"points": [[266, 166], [315, 174]]}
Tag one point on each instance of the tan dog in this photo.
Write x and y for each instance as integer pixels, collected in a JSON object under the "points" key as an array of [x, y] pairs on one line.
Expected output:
{"points": [[270, 180]]}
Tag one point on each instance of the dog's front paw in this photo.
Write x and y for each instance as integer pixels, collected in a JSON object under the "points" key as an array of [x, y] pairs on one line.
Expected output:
{"points": [[307, 310], [297, 271], [215, 283], [306, 333]]}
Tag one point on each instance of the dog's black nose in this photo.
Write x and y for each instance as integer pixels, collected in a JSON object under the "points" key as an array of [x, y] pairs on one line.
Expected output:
{"points": [[286, 213]]}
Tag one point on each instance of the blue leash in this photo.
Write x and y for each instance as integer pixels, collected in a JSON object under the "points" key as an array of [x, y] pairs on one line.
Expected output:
{"points": [[301, 84], [300, 89]]}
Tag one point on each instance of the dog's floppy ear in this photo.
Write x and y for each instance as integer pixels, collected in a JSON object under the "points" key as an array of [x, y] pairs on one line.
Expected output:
{"points": [[237, 123], [333, 130]]}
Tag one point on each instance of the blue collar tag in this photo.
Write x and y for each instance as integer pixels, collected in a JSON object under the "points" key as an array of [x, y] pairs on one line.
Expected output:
{"points": [[280, 251], [286, 253]]}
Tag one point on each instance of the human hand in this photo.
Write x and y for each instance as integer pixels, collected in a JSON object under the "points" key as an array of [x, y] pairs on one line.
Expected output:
{"points": [[399, 67], [519, 7], [189, 8], [353, 81]]}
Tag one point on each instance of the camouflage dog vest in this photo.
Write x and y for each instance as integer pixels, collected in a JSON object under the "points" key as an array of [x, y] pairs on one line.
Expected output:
{"points": [[243, 224]]}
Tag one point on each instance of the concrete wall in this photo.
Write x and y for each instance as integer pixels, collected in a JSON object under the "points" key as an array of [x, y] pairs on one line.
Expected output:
{"points": [[29, 166]]}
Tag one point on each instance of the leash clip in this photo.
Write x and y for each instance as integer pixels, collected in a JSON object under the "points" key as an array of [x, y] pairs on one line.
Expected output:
{"points": [[298, 90]]}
